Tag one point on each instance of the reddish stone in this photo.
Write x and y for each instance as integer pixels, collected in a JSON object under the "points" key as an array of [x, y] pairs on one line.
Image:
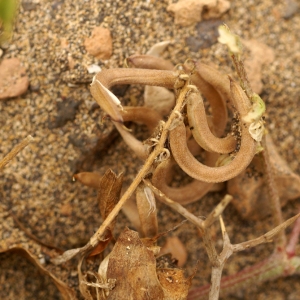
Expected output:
{"points": [[13, 79], [100, 43]]}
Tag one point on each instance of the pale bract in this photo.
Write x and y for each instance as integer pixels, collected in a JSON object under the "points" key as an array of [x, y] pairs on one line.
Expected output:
{"points": [[229, 39], [256, 130], [107, 100]]}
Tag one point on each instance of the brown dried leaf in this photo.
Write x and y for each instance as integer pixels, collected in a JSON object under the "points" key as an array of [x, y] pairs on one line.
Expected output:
{"points": [[66, 292], [134, 268], [109, 192], [174, 283], [147, 210]]}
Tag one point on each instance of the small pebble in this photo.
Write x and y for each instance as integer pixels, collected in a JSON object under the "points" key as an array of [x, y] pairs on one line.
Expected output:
{"points": [[13, 79], [100, 43], [189, 12]]}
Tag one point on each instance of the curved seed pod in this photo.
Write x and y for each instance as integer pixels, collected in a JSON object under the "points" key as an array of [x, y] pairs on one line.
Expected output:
{"points": [[186, 194], [200, 129], [112, 77], [216, 89], [149, 62], [89, 179], [197, 170]]}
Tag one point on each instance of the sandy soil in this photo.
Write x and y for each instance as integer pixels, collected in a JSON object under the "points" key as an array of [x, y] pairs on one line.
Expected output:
{"points": [[58, 111]]}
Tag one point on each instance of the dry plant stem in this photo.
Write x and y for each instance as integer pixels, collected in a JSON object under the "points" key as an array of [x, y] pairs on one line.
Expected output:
{"points": [[201, 131], [216, 260], [213, 216], [146, 167], [217, 269], [262, 271], [176, 206], [279, 264], [240, 69], [294, 239], [267, 237], [6, 159], [275, 205]]}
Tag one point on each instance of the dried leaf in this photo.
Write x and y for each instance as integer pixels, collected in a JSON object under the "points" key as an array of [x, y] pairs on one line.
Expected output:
{"points": [[134, 268], [174, 283], [147, 210], [109, 191], [66, 292]]}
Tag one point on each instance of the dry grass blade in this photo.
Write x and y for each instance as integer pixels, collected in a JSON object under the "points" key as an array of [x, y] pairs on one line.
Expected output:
{"points": [[6, 159]]}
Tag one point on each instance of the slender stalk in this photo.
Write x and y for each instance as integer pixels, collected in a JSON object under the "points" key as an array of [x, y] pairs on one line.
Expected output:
{"points": [[146, 167], [275, 205], [7, 158], [269, 269]]}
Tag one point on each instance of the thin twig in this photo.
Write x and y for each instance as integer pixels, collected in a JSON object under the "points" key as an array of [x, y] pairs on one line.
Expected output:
{"points": [[275, 205], [7, 158], [146, 167]]}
